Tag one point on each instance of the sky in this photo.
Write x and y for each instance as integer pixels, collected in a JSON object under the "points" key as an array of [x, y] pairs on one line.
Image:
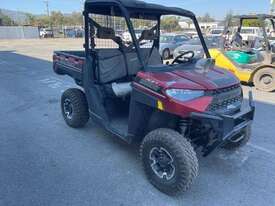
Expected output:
{"points": [[216, 8]]}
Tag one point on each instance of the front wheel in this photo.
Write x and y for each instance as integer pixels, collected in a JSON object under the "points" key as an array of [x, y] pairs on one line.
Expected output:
{"points": [[166, 54], [264, 79], [74, 108], [169, 161]]}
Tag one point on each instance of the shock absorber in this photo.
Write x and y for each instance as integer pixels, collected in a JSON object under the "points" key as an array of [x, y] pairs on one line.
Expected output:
{"points": [[184, 127]]}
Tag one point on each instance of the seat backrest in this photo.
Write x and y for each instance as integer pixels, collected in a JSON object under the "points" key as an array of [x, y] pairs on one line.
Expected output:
{"points": [[133, 61], [237, 40], [111, 65]]}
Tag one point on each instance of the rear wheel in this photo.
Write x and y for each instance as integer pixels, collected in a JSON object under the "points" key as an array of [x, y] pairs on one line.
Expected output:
{"points": [[169, 161], [74, 108], [239, 140], [264, 79], [166, 54]]}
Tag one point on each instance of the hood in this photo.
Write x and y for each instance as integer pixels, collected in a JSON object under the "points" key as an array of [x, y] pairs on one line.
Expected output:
{"points": [[189, 47], [212, 79], [193, 79]]}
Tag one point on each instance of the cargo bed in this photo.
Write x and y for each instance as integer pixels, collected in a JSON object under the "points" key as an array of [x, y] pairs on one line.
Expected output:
{"points": [[70, 63]]}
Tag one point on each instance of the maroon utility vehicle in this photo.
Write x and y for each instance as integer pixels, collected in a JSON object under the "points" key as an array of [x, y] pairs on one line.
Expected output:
{"points": [[172, 109]]}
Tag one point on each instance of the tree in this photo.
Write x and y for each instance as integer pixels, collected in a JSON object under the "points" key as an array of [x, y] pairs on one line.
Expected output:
{"points": [[74, 19], [43, 21], [31, 19], [6, 20], [170, 24], [228, 16], [228, 19], [56, 18], [252, 23], [206, 18]]}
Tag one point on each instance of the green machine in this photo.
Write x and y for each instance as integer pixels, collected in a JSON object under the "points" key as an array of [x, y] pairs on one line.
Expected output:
{"points": [[241, 57]]}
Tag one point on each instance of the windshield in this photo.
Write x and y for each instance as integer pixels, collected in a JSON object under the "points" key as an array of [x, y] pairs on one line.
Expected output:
{"points": [[174, 33], [113, 32]]}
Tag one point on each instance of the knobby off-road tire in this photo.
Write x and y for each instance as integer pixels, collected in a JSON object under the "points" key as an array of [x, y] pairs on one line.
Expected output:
{"points": [[264, 79], [185, 161], [233, 145], [74, 108]]}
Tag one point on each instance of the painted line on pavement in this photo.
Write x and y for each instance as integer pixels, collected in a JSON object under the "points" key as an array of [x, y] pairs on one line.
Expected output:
{"points": [[262, 149]]}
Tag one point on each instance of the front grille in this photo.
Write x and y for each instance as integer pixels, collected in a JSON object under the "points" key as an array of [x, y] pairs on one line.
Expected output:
{"points": [[226, 100]]}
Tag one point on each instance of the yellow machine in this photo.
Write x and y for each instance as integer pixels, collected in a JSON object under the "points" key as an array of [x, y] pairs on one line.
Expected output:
{"points": [[245, 75], [260, 71]]}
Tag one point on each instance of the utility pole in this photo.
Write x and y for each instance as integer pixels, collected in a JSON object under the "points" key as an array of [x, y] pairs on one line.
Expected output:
{"points": [[82, 5], [48, 12], [47, 7]]}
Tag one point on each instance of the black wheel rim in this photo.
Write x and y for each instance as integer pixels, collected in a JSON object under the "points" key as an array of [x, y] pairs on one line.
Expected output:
{"points": [[162, 163], [68, 108]]}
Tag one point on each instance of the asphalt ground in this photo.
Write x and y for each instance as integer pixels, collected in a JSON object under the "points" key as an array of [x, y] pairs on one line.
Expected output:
{"points": [[44, 162]]}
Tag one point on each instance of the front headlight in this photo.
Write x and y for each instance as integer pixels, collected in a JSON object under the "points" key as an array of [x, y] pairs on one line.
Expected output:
{"points": [[184, 95]]}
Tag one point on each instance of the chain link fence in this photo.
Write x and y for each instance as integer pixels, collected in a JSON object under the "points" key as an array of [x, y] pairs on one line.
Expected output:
{"points": [[19, 32]]}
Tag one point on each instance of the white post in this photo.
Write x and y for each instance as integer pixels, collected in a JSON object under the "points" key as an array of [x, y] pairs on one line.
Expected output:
{"points": [[272, 4]]}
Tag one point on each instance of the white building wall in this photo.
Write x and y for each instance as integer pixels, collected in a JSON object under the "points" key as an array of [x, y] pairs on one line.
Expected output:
{"points": [[206, 25]]}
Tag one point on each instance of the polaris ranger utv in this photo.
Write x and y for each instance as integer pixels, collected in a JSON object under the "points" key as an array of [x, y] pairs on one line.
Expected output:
{"points": [[170, 109]]}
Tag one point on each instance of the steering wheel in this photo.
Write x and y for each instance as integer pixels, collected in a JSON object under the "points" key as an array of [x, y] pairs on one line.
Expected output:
{"points": [[185, 58]]}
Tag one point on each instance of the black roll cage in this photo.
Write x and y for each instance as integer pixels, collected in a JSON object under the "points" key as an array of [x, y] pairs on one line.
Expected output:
{"points": [[125, 13]]}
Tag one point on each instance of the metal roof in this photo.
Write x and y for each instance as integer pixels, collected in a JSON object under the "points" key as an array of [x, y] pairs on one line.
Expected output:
{"points": [[255, 16], [134, 6]]}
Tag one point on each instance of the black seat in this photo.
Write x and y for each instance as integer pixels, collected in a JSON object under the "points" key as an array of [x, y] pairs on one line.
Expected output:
{"points": [[237, 40], [116, 64], [112, 65]]}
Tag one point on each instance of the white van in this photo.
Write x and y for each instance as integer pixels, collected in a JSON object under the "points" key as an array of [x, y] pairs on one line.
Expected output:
{"points": [[216, 32], [248, 32]]}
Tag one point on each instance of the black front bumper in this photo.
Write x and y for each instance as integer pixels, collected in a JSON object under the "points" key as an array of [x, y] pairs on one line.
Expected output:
{"points": [[226, 126]]}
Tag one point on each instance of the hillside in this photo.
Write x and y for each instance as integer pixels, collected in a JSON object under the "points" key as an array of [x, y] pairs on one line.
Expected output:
{"points": [[16, 16]]}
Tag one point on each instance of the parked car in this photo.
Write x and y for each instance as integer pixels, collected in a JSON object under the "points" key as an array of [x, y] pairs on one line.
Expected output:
{"points": [[195, 46], [216, 32], [169, 42], [126, 36], [248, 32], [46, 33], [74, 33]]}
